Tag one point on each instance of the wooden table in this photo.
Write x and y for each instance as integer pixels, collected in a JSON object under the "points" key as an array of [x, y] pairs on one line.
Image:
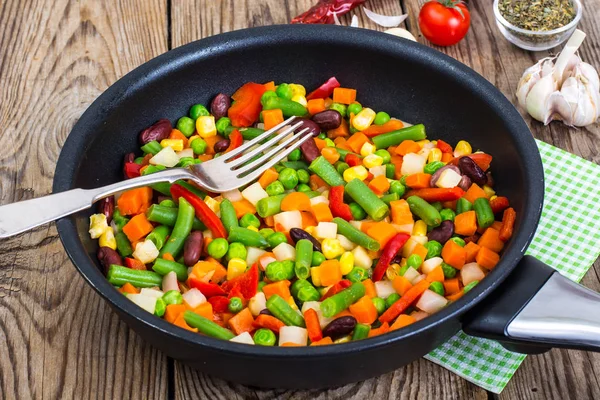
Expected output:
{"points": [[57, 337]]}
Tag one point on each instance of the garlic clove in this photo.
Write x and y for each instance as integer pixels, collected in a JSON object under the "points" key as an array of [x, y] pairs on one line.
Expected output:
{"points": [[559, 109], [590, 74], [530, 77], [537, 99]]}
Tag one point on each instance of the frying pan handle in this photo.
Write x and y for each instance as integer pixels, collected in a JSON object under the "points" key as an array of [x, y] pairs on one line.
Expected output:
{"points": [[536, 309]]}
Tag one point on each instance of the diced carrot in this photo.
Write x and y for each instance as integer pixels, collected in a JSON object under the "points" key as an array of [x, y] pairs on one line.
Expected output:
{"points": [[491, 240], [268, 177], [341, 131], [281, 288], [382, 232], [357, 141], [269, 221], [272, 117], [436, 275], [137, 227], [290, 344], [321, 212], [379, 185], [508, 223], [447, 157], [364, 310], [168, 256], [128, 288], [308, 219], [315, 182], [455, 296], [401, 285], [330, 272], [321, 144], [497, 225], [210, 143], [418, 181], [407, 146], [180, 322], [369, 288], [241, 322], [295, 201], [474, 193], [268, 322], [217, 271], [135, 201], [243, 207], [472, 249], [401, 214], [366, 225], [313, 326], [173, 310], [443, 146], [454, 254], [330, 154], [344, 95], [384, 328], [325, 341], [315, 106], [205, 157], [419, 250], [465, 223], [487, 258], [176, 134], [405, 301], [402, 321], [391, 125], [345, 313], [146, 159], [451, 286], [269, 86], [205, 310]]}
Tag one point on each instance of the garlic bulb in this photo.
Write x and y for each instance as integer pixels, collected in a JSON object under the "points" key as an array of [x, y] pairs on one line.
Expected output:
{"points": [[567, 90]]}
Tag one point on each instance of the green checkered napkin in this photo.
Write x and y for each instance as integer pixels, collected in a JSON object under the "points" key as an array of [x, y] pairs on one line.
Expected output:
{"points": [[567, 239]]}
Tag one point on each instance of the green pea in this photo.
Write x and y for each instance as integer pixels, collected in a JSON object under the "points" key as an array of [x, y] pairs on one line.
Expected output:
{"points": [[198, 146], [317, 258], [172, 297], [447, 214], [390, 171], [433, 166], [160, 307], [379, 304], [341, 108], [437, 205], [449, 271], [383, 153], [397, 187], [458, 241], [266, 232], [266, 96], [275, 188], [198, 110], [276, 239], [391, 299], [303, 187], [264, 337], [218, 248], [186, 125], [470, 286], [341, 166], [222, 124], [358, 213], [303, 176], [322, 136], [353, 108], [437, 287], [249, 220], [235, 305], [357, 274], [329, 142], [284, 91], [414, 261], [403, 179], [168, 203], [237, 250], [381, 118], [289, 178], [403, 270], [295, 155], [434, 249]]}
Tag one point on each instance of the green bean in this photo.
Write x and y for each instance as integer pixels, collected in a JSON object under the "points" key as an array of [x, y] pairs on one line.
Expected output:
{"points": [[357, 211], [228, 215], [120, 220], [470, 286], [368, 200], [163, 267], [159, 235], [168, 216], [118, 276], [296, 165], [390, 170], [276, 239], [340, 301], [326, 171], [162, 188], [249, 220], [304, 251], [424, 210], [304, 291], [483, 210], [206, 326], [313, 193], [264, 337], [247, 237], [282, 310], [415, 132], [173, 297], [344, 228], [287, 107], [247, 133], [152, 147], [192, 188], [270, 205], [280, 270], [123, 244], [160, 307], [181, 230], [361, 331], [463, 205], [388, 198], [357, 274]]}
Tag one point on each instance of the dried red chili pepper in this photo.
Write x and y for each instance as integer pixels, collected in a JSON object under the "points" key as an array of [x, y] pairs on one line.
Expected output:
{"points": [[322, 12]]}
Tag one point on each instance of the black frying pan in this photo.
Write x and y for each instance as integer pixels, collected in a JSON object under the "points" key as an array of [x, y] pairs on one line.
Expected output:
{"points": [[407, 80]]}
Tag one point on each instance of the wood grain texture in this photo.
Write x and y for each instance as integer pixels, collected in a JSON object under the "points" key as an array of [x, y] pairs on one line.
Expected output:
{"points": [[58, 338]]}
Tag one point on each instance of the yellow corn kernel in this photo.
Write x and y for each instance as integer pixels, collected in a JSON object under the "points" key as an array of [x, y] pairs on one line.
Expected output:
{"points": [[420, 228], [310, 230], [346, 262], [252, 228], [403, 262], [332, 248], [372, 160], [422, 142], [392, 271], [98, 225], [343, 339], [235, 268], [297, 89], [315, 275], [175, 144], [292, 303], [213, 204], [363, 119], [434, 155], [358, 172], [108, 239], [367, 149], [434, 142], [462, 148], [488, 191], [493, 197], [300, 99], [205, 125]]}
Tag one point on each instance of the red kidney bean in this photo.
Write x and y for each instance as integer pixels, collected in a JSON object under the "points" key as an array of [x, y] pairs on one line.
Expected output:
{"points": [[106, 206], [265, 312], [436, 175], [297, 234], [159, 131], [108, 256], [473, 238], [219, 105], [309, 150], [465, 183], [192, 250], [442, 233], [490, 179], [328, 119], [221, 145], [313, 128], [340, 327], [472, 170]]}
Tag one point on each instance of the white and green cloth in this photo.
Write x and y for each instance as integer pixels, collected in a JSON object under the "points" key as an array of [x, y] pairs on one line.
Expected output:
{"points": [[567, 239]]}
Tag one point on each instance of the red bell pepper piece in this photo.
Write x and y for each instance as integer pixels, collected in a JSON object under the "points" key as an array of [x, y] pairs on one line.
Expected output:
{"points": [[337, 205], [352, 160], [335, 289], [325, 90], [481, 159], [204, 214], [131, 170], [219, 303], [246, 106], [499, 204], [431, 195], [245, 285], [235, 140], [405, 301], [443, 146], [392, 247], [134, 264], [208, 289]]}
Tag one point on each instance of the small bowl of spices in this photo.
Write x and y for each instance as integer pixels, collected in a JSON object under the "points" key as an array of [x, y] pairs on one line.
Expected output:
{"points": [[537, 25]]}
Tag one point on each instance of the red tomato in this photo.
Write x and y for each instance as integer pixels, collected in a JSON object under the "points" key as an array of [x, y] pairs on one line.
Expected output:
{"points": [[444, 22]]}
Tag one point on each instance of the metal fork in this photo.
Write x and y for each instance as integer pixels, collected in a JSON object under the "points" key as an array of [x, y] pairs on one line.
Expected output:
{"points": [[227, 172]]}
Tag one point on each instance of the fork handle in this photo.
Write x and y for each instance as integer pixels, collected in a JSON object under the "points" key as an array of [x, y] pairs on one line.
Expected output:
{"points": [[24, 215]]}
